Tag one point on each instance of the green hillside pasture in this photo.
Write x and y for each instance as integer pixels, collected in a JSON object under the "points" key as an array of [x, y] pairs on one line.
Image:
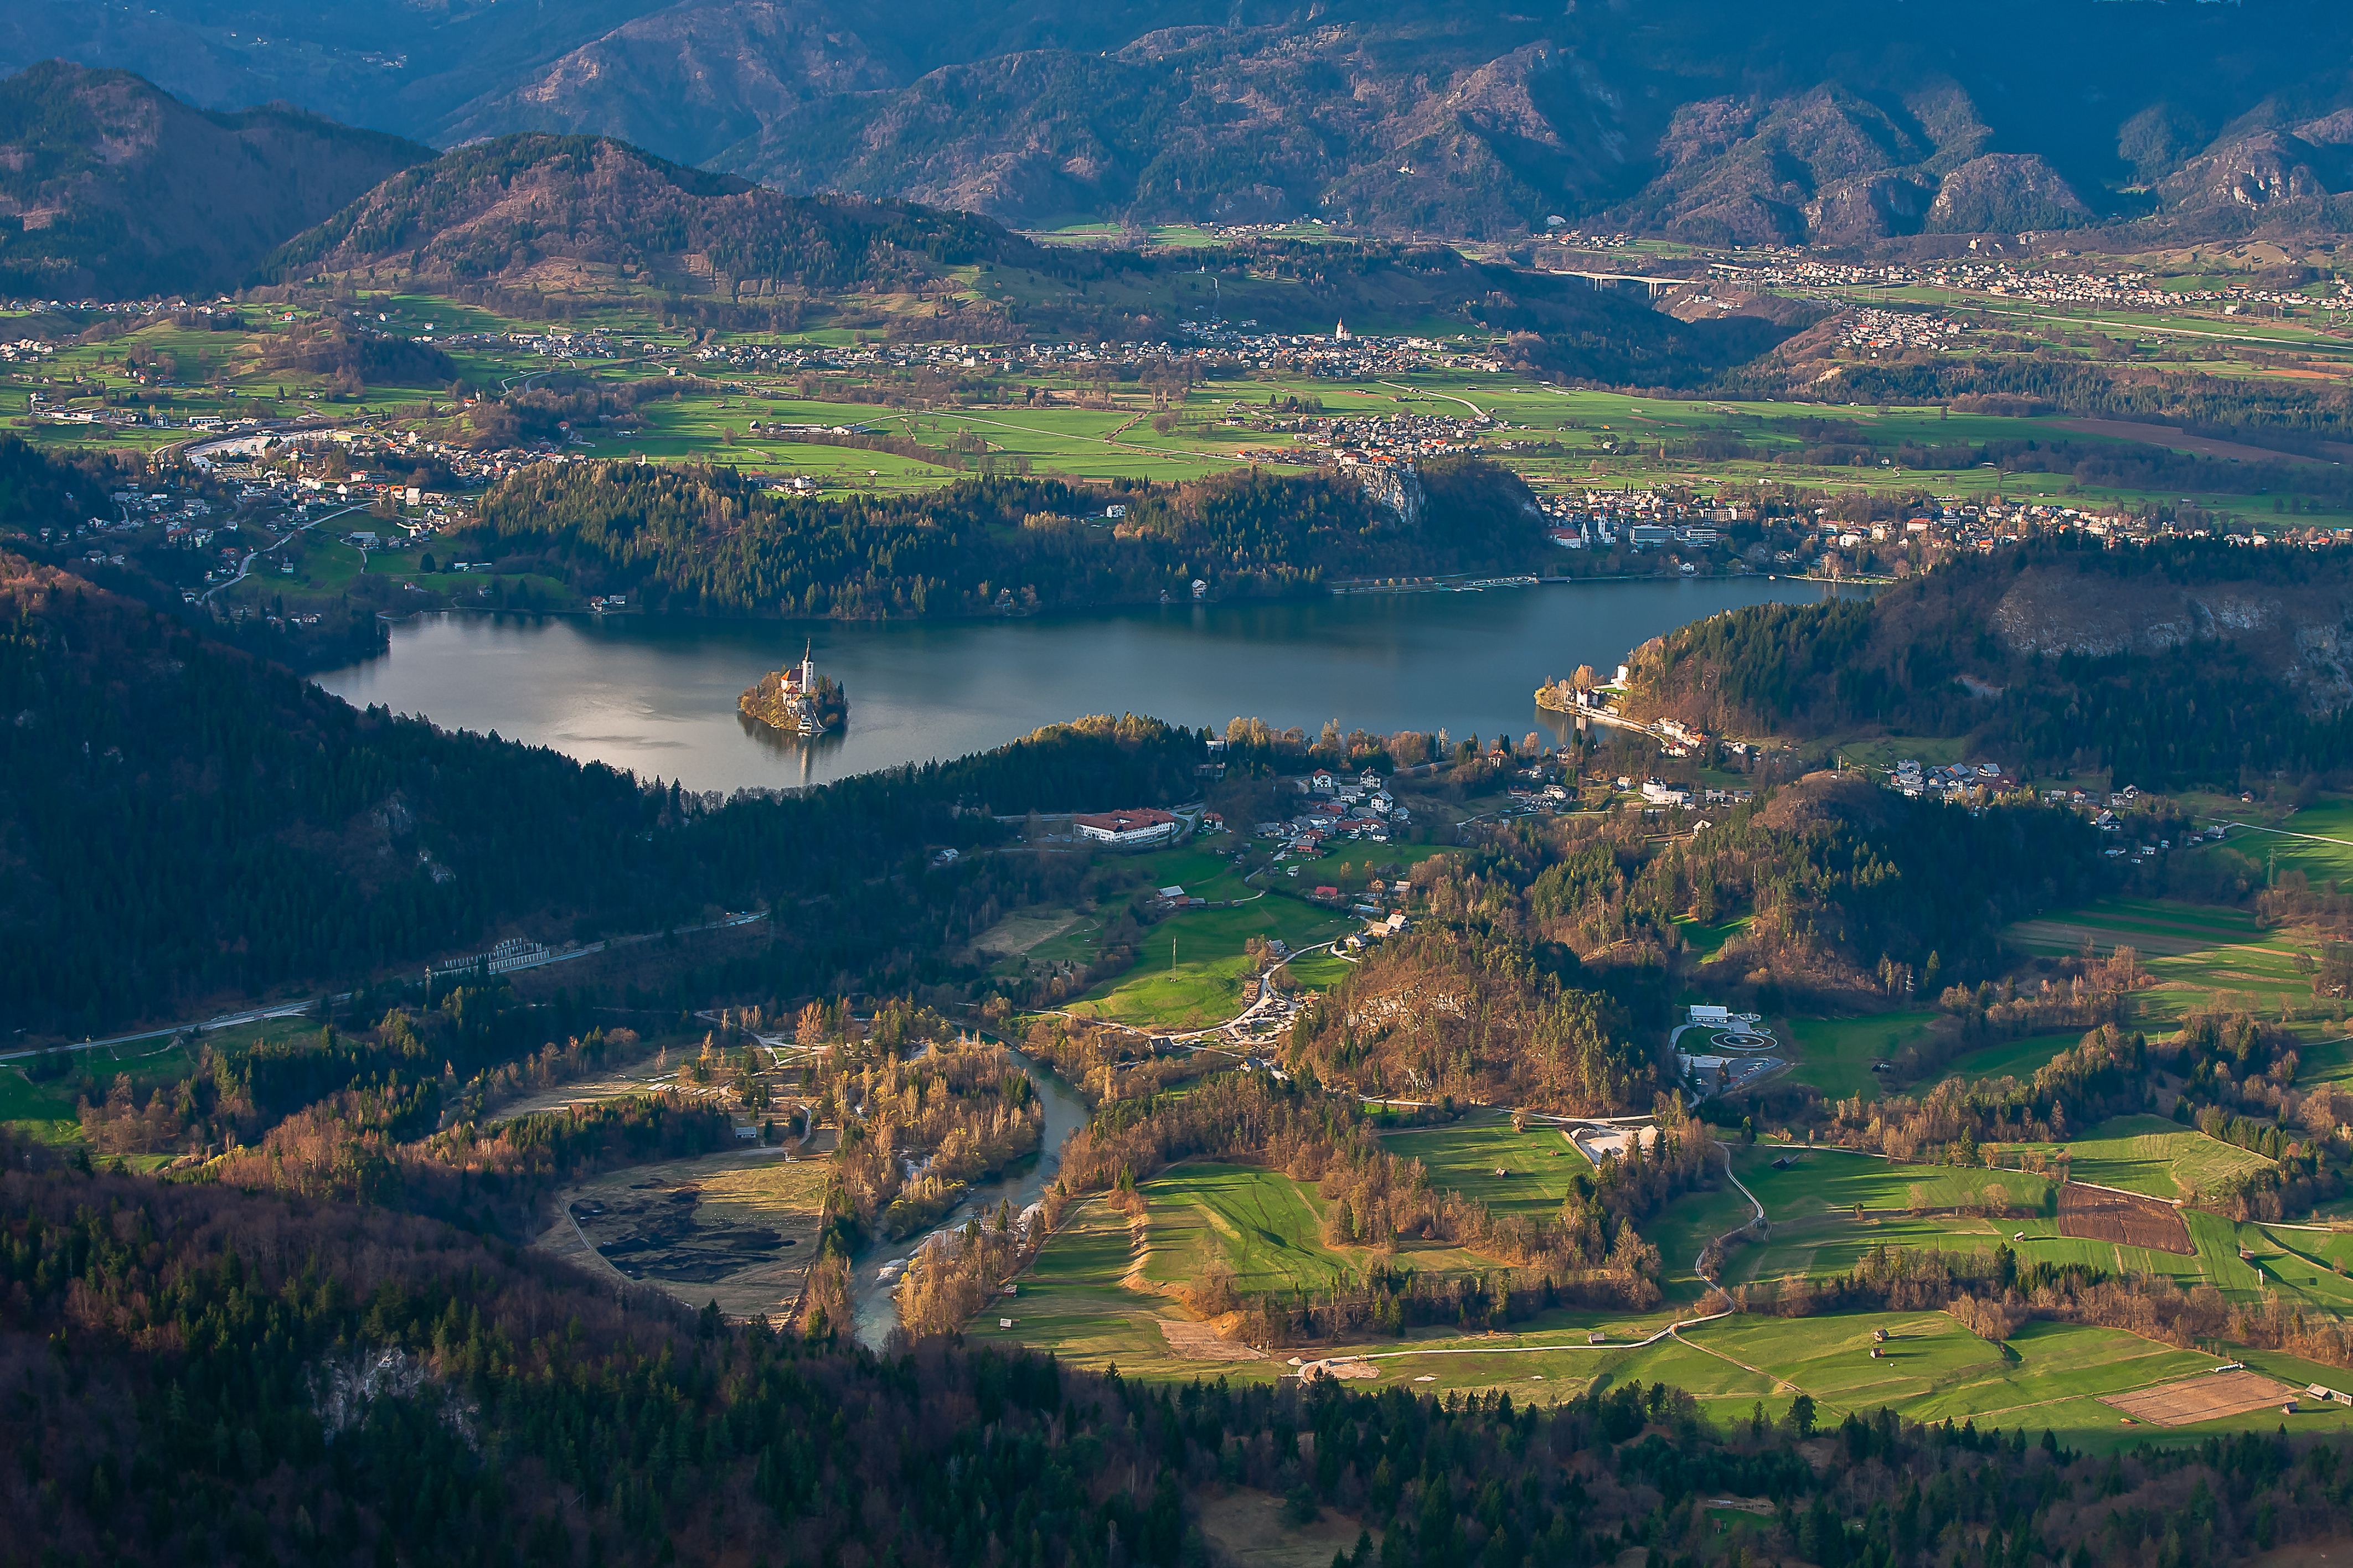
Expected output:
{"points": [[2296, 1264], [1070, 1301], [1264, 1227], [1725, 1390], [1835, 1055], [47, 1112], [1831, 1245], [2326, 1061], [1192, 967], [2150, 1154], [1541, 1163], [2301, 1264], [2051, 1376], [2192, 950], [43, 1112], [1826, 1180], [2048, 1375], [1685, 1226], [1318, 971], [2020, 1059], [2324, 853], [1261, 1224], [1204, 868], [1708, 940]]}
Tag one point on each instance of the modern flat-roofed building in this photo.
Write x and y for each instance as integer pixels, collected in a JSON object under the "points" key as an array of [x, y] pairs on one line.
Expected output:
{"points": [[1129, 828]]}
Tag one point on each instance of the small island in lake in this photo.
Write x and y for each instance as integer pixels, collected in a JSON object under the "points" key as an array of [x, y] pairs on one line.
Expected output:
{"points": [[796, 700]]}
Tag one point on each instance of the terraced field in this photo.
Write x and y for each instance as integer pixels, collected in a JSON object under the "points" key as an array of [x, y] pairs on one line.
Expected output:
{"points": [[2192, 951], [2151, 1155]]}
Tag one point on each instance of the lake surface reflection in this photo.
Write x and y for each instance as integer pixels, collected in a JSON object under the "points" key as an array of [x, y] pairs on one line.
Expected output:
{"points": [[658, 696]]}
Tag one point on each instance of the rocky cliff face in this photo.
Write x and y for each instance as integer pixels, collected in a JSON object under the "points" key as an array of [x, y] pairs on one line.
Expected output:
{"points": [[2303, 630]]}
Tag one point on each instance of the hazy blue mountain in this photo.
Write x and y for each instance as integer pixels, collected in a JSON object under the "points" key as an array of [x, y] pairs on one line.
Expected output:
{"points": [[1830, 120]]}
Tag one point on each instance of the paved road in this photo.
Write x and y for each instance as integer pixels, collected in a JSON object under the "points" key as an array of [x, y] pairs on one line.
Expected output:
{"points": [[244, 567], [2283, 832], [1672, 1328], [223, 1021], [296, 1009]]}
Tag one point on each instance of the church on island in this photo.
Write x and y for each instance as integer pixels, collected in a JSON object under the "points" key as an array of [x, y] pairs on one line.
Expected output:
{"points": [[796, 700]]}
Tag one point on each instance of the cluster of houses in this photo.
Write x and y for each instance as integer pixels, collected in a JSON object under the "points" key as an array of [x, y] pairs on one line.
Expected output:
{"points": [[1394, 437], [2125, 289], [1642, 520], [1337, 808], [1342, 353], [1874, 330], [1959, 781]]}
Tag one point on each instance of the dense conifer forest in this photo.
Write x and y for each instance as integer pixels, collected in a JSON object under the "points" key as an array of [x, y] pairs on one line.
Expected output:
{"points": [[201, 1375], [188, 820], [710, 541], [2200, 698]]}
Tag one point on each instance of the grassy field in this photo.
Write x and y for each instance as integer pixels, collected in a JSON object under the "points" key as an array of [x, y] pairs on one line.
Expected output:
{"points": [[1192, 968], [1539, 1164], [1835, 1055], [2323, 850], [1260, 1223], [2020, 1059], [2191, 951], [2152, 1155], [1826, 1180]]}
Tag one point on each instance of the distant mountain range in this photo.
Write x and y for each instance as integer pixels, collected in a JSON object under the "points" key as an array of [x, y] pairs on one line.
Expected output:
{"points": [[108, 186], [1831, 120], [523, 204]]}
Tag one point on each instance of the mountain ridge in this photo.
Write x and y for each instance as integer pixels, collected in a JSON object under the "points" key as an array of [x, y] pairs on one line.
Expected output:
{"points": [[109, 185], [1835, 123]]}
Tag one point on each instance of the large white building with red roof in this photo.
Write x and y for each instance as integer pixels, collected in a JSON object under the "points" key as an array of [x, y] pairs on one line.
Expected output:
{"points": [[1130, 829]]}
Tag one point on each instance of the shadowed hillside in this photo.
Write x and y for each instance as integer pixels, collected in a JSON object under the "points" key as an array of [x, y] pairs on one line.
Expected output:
{"points": [[110, 186]]}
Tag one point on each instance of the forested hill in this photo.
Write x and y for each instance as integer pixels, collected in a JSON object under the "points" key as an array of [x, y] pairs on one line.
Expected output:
{"points": [[201, 1375], [140, 195], [2183, 663], [187, 824], [710, 541], [505, 205]]}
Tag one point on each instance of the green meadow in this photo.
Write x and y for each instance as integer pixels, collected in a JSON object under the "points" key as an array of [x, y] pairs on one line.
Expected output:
{"points": [[1835, 1055], [2020, 1059], [2192, 952], [1537, 1165]]}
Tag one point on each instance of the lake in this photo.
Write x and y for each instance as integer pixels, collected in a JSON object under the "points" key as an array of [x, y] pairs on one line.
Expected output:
{"points": [[657, 696]]}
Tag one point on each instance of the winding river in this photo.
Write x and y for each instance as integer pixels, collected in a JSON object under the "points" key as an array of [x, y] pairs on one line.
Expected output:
{"points": [[657, 696], [1022, 1186]]}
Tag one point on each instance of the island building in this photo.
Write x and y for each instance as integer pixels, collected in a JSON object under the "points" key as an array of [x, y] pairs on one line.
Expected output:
{"points": [[796, 699]]}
